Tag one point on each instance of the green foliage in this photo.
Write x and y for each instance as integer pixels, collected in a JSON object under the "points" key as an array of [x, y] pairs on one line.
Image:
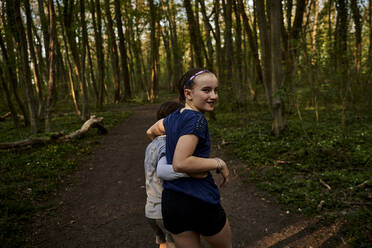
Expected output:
{"points": [[28, 175], [309, 156]]}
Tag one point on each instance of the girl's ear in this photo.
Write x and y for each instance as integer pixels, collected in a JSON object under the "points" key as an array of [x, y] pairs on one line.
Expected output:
{"points": [[187, 93]]}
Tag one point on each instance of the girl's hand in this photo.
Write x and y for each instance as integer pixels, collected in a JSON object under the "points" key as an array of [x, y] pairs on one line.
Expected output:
{"points": [[223, 170]]}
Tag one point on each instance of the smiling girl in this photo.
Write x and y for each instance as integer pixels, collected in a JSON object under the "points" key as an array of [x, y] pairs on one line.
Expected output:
{"points": [[191, 206]]}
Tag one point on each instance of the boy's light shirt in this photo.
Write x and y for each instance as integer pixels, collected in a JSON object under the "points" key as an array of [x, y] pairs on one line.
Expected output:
{"points": [[165, 171], [154, 185]]}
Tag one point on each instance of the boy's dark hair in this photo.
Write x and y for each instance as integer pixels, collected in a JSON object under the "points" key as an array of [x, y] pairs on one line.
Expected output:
{"points": [[185, 78], [167, 108]]}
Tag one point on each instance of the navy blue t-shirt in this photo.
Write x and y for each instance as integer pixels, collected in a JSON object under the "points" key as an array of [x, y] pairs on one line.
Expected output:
{"points": [[176, 125]]}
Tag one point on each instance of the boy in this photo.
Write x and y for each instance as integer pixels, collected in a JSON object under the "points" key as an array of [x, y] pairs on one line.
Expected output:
{"points": [[154, 185]]}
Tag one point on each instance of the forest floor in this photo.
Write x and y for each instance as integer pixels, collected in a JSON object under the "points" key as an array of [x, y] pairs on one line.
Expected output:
{"points": [[102, 203]]}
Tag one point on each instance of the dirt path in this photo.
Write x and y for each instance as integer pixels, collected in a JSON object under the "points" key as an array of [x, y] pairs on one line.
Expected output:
{"points": [[102, 205]]}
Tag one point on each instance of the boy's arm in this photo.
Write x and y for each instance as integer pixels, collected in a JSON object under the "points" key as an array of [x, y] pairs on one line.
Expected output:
{"points": [[156, 130], [165, 171]]}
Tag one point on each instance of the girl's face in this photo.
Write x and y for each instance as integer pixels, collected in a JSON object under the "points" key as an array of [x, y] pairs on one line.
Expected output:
{"points": [[203, 96]]}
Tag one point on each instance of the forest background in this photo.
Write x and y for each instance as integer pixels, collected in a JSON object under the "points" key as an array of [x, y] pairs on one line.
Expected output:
{"points": [[295, 91]]}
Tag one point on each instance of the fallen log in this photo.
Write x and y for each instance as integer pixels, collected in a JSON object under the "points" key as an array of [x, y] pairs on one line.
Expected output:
{"points": [[93, 122], [7, 115]]}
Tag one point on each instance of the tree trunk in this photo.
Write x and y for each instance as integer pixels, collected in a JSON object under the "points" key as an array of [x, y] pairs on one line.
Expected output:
{"points": [[289, 7], [99, 52], [315, 30], [51, 63], [10, 65], [123, 53], [276, 56], [252, 41], [137, 49], [71, 38], [341, 40], [358, 34], [195, 36], [154, 89], [217, 37], [8, 97], [208, 30], [44, 26], [177, 57], [37, 76], [114, 52], [13, 8], [68, 62], [297, 26], [83, 48], [91, 70], [238, 62], [168, 54], [228, 79], [265, 49], [370, 37], [249, 69]]}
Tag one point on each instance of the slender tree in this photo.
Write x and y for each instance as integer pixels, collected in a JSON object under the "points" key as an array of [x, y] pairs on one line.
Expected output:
{"points": [[154, 89], [370, 36], [208, 31], [195, 36], [341, 37], [265, 48], [228, 48], [252, 39], [37, 76], [8, 97], [123, 52], [297, 25], [176, 51], [10, 68], [51, 83], [44, 25], [217, 37], [238, 60], [100, 54], [165, 35], [276, 57], [113, 52], [358, 33], [68, 61], [14, 11], [140, 67], [68, 15]]}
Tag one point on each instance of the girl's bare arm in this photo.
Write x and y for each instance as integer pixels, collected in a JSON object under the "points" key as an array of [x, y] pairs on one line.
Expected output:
{"points": [[184, 161]]}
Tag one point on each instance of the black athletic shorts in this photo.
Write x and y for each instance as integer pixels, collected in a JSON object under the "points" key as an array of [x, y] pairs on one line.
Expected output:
{"points": [[186, 213]]}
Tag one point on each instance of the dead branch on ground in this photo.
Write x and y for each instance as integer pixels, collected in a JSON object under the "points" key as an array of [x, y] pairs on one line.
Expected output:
{"points": [[93, 122]]}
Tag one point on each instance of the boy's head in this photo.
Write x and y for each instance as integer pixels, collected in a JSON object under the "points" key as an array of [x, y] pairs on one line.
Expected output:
{"points": [[167, 108]]}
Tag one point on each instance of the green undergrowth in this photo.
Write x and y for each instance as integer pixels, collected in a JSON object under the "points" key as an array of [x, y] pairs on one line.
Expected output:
{"points": [[28, 175], [316, 167]]}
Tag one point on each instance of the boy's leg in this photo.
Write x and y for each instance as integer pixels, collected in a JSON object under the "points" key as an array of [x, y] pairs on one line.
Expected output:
{"points": [[170, 240], [168, 236], [160, 235], [221, 239]]}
